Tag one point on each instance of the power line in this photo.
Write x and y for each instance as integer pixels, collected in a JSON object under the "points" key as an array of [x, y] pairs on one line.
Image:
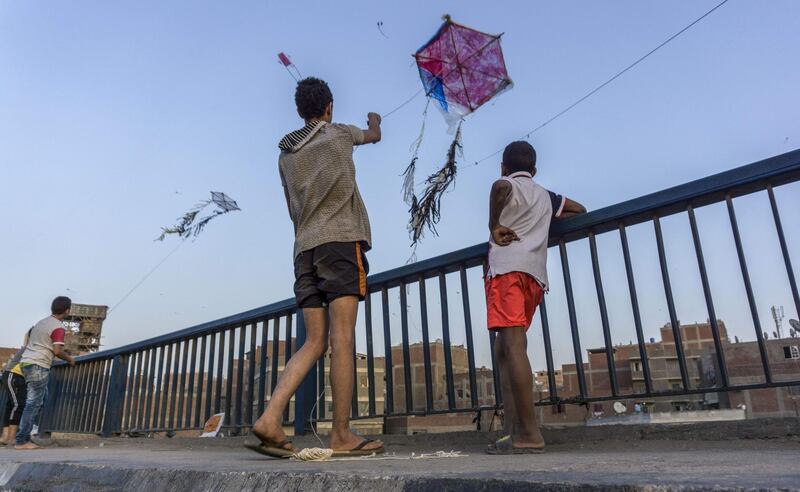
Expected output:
{"points": [[616, 76]]}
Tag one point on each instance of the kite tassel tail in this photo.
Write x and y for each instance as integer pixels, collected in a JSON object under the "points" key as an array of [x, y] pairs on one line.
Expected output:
{"points": [[409, 173], [426, 211], [408, 181]]}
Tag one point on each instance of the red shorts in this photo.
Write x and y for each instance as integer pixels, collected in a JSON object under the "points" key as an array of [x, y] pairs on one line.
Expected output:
{"points": [[511, 300]]}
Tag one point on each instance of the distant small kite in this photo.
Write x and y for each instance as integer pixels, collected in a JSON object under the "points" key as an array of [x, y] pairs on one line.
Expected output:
{"points": [[190, 226], [289, 65]]}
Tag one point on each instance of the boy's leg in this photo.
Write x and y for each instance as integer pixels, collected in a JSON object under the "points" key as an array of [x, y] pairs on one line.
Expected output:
{"points": [[343, 312], [509, 412], [513, 345], [268, 426], [14, 407], [36, 380]]}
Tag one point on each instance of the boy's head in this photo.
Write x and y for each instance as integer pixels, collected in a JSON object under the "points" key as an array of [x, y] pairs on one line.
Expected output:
{"points": [[314, 100], [60, 306], [519, 156]]}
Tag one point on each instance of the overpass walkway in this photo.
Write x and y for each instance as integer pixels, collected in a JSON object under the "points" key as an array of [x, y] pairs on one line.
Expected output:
{"points": [[752, 455]]}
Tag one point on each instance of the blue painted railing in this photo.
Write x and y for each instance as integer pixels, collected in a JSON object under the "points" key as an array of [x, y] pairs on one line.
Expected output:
{"points": [[177, 380]]}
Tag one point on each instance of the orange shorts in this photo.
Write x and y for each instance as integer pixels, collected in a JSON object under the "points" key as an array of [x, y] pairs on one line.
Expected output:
{"points": [[511, 300]]}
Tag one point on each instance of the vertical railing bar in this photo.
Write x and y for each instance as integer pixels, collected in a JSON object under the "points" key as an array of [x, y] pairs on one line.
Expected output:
{"points": [[169, 375], [103, 401], [262, 367], [94, 408], [152, 390], [288, 353], [105, 370], [548, 352], [320, 412], [55, 421], [212, 352], [637, 317], [229, 376], [473, 380], [370, 358], [240, 377], [158, 392], [126, 404], [784, 249], [276, 336], [712, 315], [251, 376], [61, 409], [201, 371], [354, 398], [220, 373], [83, 401], [409, 389], [387, 346], [87, 397], [78, 397], [143, 390], [176, 363], [573, 320], [137, 389], [426, 343], [673, 317], [131, 390], [448, 355], [187, 422], [179, 419], [498, 390], [601, 302], [749, 290]]}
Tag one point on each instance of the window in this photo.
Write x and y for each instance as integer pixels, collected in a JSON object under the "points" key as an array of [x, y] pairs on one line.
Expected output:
{"points": [[637, 366], [791, 352]]}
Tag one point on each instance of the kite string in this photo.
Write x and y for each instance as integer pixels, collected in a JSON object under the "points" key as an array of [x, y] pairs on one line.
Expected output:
{"points": [[604, 84], [151, 272], [404, 104]]}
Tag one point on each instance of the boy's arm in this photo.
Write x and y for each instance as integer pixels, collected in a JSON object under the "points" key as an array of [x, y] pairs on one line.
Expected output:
{"points": [[571, 209], [58, 351], [373, 132], [501, 235]]}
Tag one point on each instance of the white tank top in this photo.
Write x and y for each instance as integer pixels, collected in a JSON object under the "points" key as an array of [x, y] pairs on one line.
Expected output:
{"points": [[528, 212]]}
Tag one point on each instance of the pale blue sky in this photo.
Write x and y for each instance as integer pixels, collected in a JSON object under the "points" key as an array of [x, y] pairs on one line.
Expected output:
{"points": [[115, 117]]}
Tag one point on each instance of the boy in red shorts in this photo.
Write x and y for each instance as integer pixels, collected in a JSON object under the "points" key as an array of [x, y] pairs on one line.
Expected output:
{"points": [[520, 213]]}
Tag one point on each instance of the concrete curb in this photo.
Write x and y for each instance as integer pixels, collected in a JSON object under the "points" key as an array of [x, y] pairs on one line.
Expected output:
{"points": [[72, 477]]}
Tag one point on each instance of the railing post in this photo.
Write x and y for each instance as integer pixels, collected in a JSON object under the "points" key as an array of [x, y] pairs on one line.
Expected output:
{"points": [[115, 399], [305, 396]]}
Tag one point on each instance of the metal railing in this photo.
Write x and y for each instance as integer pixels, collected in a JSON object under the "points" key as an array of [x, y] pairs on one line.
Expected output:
{"points": [[176, 381]]}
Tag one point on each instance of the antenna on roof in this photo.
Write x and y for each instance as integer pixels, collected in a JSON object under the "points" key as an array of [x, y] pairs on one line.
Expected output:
{"points": [[777, 315]]}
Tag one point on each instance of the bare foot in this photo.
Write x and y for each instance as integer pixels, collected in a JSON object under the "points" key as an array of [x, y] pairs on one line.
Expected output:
{"points": [[346, 441], [271, 434], [535, 441], [27, 445]]}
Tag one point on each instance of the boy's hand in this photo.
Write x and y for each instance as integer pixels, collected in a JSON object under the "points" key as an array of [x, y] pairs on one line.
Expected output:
{"points": [[503, 236], [373, 133]]}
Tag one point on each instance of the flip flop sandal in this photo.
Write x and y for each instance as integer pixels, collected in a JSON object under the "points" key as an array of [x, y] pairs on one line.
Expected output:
{"points": [[359, 450], [273, 450], [506, 446]]}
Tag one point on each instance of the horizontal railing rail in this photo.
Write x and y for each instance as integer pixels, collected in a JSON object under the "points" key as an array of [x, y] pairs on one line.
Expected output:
{"points": [[177, 380]]}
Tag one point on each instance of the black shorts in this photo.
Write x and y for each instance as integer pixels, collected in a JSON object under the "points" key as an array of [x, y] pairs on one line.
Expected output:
{"points": [[330, 271]]}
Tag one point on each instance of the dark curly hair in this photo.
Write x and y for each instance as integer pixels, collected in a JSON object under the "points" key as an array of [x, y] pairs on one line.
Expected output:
{"points": [[312, 97], [60, 305], [519, 156]]}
